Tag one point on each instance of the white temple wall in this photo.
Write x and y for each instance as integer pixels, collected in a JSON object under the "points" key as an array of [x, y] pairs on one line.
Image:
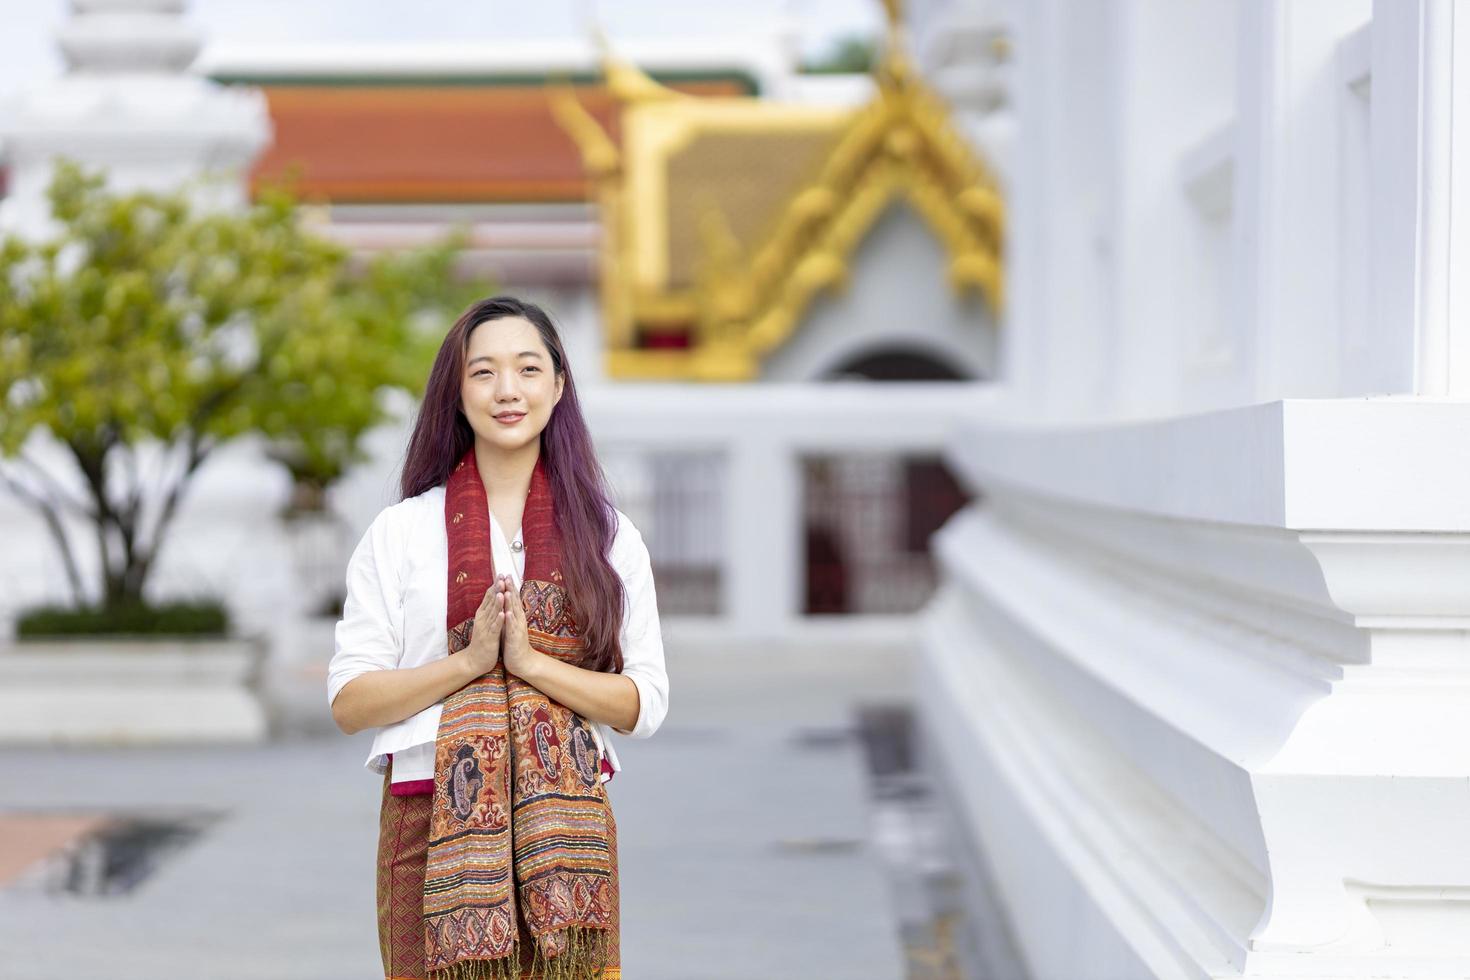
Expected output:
{"points": [[1198, 658], [1230, 705], [1060, 210], [1177, 64]]}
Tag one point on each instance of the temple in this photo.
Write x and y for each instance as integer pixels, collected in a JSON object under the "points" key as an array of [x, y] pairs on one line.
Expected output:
{"points": [[1096, 371]]}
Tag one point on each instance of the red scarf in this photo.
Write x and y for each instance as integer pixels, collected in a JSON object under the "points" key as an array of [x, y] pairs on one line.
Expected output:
{"points": [[521, 870]]}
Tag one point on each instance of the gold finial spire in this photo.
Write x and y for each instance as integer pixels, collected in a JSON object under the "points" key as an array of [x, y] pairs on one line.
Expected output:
{"points": [[627, 82], [599, 154], [893, 64], [894, 9]]}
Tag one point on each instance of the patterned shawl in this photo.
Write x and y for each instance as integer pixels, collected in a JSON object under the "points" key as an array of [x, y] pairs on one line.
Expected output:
{"points": [[522, 867]]}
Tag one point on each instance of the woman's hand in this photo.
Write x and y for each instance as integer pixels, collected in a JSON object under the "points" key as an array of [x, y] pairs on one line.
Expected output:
{"points": [[520, 657], [484, 648]]}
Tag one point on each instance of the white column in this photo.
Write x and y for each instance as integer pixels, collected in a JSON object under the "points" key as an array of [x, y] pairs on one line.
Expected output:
{"points": [[1058, 344], [1421, 173], [763, 567], [1175, 348], [1286, 192]]}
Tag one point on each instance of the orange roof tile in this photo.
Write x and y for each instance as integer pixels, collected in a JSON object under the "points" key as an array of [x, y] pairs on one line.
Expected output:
{"points": [[433, 142]]}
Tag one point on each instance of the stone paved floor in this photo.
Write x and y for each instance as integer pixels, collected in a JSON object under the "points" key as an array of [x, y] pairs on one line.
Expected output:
{"points": [[744, 846]]}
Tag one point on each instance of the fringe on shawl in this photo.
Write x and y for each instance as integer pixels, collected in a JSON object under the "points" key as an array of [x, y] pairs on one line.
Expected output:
{"points": [[585, 959]]}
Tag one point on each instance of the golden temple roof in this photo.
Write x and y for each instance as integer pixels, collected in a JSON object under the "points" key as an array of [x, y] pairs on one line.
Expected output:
{"points": [[724, 218]]}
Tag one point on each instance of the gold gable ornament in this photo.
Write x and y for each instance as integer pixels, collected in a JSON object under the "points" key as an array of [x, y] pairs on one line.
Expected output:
{"points": [[725, 218]]}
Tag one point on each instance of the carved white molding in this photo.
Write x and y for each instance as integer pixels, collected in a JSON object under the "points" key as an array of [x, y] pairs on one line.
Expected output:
{"points": [[1244, 745]]}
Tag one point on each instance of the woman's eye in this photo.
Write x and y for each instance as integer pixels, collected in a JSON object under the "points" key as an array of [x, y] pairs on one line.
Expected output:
{"points": [[479, 372], [533, 369]]}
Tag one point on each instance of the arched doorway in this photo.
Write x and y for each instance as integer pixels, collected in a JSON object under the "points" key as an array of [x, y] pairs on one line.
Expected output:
{"points": [[897, 364]]}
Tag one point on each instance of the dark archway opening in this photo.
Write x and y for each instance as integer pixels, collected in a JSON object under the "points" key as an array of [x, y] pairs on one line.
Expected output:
{"points": [[897, 364]]}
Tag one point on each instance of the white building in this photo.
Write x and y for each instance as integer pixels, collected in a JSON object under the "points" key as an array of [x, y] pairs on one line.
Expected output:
{"points": [[1196, 676]]}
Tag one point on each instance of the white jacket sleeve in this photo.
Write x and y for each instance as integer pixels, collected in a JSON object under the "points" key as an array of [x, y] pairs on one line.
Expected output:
{"points": [[370, 632], [643, 644]]}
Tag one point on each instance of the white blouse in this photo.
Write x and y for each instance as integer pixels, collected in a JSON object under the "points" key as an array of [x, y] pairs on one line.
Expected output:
{"points": [[396, 610]]}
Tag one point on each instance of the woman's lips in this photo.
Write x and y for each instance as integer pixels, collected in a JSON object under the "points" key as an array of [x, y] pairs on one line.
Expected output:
{"points": [[509, 419]]}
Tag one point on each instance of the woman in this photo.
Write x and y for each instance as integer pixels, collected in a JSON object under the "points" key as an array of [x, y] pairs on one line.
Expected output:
{"points": [[499, 619]]}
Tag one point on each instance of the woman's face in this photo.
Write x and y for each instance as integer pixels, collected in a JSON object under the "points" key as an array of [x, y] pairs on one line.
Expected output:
{"points": [[508, 370]]}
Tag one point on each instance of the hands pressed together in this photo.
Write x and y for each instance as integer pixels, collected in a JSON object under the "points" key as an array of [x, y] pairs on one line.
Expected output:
{"points": [[500, 629]]}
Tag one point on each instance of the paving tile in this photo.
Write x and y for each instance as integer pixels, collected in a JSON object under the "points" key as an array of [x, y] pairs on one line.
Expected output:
{"points": [[743, 849]]}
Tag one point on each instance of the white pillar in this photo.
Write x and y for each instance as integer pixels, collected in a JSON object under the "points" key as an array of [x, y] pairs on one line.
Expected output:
{"points": [[1286, 193], [763, 570], [1421, 172]]}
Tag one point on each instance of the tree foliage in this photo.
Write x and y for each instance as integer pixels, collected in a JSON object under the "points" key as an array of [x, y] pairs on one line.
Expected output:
{"points": [[148, 320], [846, 56]]}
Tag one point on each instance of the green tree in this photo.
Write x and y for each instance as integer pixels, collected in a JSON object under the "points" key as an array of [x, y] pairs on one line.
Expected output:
{"points": [[147, 320], [847, 56]]}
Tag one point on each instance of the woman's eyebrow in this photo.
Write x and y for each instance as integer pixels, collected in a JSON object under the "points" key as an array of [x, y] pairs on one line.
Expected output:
{"points": [[487, 357]]}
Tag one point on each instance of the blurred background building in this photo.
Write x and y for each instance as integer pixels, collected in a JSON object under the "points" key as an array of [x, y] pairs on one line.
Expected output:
{"points": [[698, 213], [1102, 362]]}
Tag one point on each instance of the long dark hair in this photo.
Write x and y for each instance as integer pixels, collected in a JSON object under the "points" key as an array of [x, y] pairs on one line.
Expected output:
{"points": [[585, 517]]}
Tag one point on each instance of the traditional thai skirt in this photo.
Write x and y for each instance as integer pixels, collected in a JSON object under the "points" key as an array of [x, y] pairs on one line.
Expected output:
{"points": [[403, 847]]}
